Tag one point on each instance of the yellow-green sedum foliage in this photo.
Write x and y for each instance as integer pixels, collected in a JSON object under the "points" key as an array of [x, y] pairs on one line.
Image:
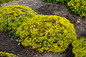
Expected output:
{"points": [[47, 33], [12, 17], [5, 54], [79, 47], [78, 7]]}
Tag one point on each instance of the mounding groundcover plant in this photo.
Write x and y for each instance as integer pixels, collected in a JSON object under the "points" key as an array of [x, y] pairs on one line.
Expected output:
{"points": [[79, 47], [5, 54], [47, 33], [12, 17], [55, 1], [78, 7]]}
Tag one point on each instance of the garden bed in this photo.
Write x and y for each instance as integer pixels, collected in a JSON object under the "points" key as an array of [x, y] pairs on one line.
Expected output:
{"points": [[14, 46]]}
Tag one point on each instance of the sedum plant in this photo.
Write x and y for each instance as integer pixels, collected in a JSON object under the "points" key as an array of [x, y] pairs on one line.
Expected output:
{"points": [[5, 54], [78, 7], [55, 1], [79, 47], [47, 33], [12, 17]]}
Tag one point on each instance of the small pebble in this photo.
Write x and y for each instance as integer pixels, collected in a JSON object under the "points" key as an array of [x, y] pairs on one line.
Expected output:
{"points": [[78, 21], [18, 44], [17, 40], [36, 55]]}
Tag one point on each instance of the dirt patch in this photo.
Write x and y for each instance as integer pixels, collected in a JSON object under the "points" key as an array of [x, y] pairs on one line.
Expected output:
{"points": [[8, 44], [12, 45]]}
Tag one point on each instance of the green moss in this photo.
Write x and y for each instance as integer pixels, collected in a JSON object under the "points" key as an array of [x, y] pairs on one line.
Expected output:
{"points": [[78, 7], [12, 17], [79, 47], [5, 54], [47, 33]]}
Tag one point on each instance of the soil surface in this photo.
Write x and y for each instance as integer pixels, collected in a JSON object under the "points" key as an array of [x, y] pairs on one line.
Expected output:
{"points": [[14, 46]]}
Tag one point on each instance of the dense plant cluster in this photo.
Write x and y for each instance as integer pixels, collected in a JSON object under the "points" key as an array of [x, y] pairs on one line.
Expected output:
{"points": [[41, 32], [5, 54], [55, 1], [12, 17], [79, 47], [47, 33], [1, 1], [78, 7]]}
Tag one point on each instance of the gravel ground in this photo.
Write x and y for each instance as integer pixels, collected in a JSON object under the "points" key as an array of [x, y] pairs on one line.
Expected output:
{"points": [[12, 45]]}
